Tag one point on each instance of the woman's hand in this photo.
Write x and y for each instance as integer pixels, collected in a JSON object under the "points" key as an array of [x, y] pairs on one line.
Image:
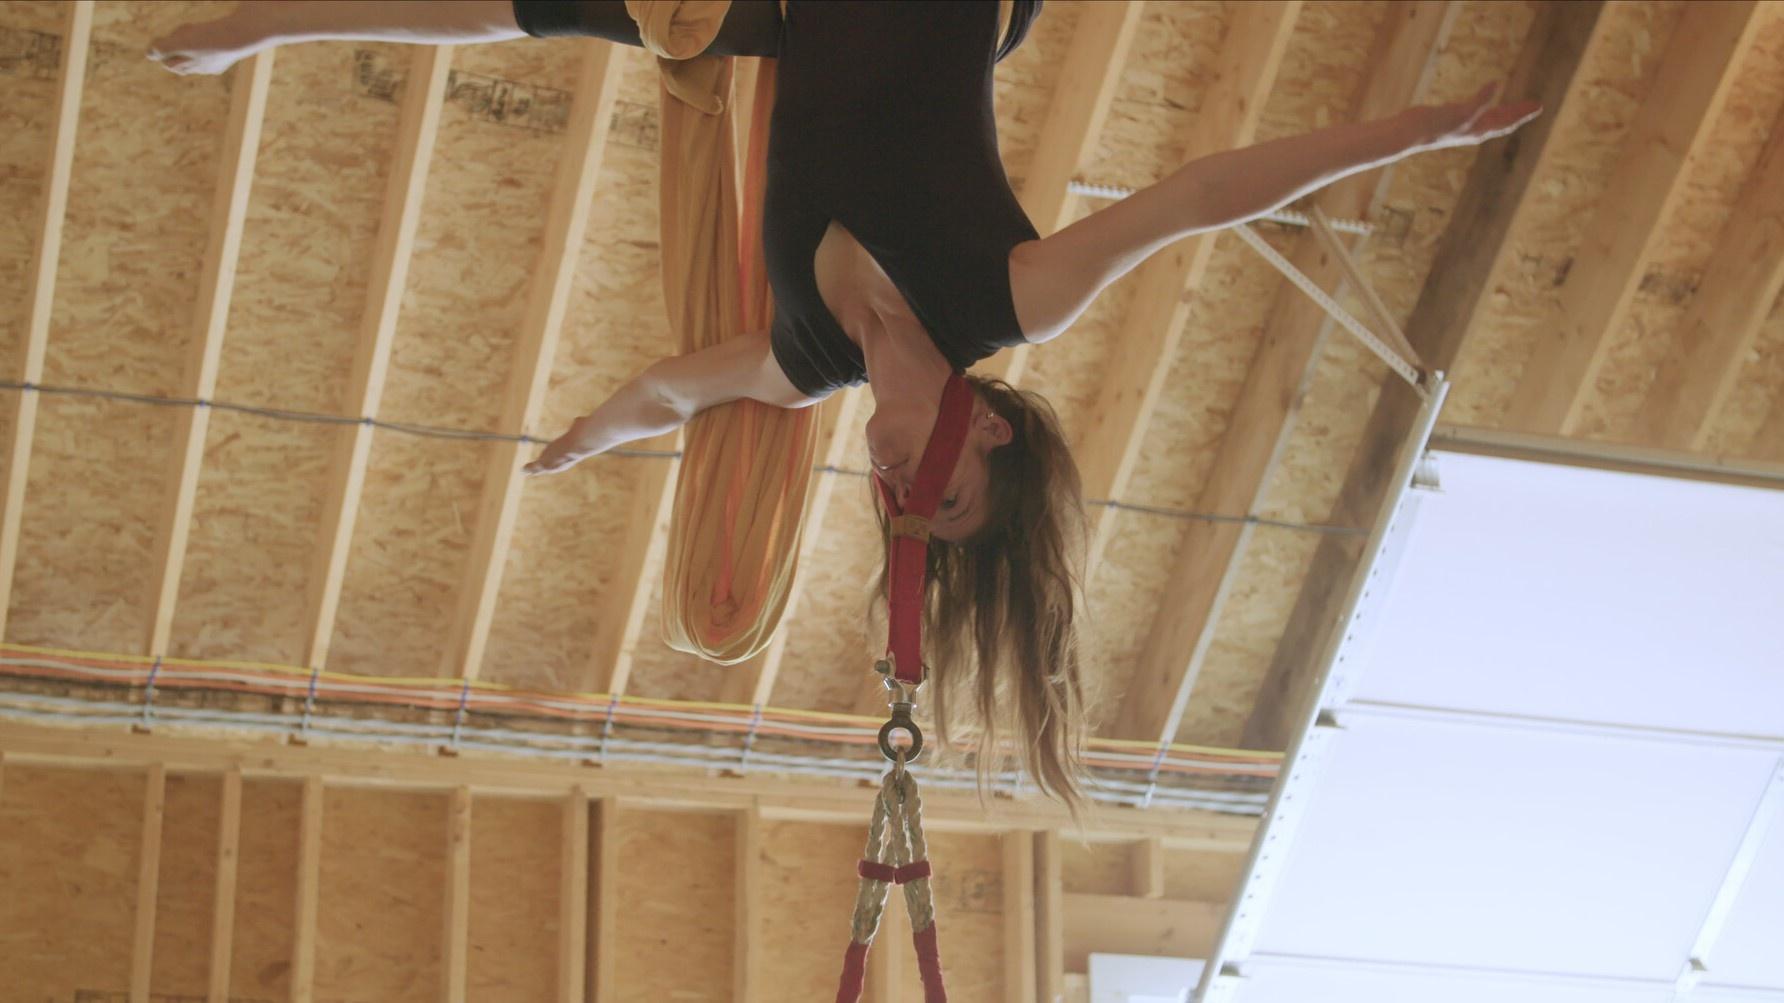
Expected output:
{"points": [[569, 449], [1471, 122]]}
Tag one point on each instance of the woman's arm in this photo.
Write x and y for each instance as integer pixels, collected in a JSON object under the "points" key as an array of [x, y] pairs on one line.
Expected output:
{"points": [[663, 397], [1053, 280]]}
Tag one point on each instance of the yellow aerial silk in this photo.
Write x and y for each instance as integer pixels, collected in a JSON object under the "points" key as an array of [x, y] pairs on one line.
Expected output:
{"points": [[740, 495]]}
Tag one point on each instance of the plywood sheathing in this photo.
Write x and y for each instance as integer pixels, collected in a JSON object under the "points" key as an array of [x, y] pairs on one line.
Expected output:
{"points": [[515, 846], [381, 900], [1093, 868], [187, 886], [1480, 49], [68, 857], [265, 890], [808, 895], [673, 937]]}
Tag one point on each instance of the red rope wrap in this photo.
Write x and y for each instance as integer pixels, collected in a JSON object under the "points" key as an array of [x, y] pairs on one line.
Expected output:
{"points": [[854, 973], [929, 964]]}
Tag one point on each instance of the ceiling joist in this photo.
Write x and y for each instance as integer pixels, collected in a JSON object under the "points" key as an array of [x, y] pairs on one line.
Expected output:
{"points": [[249, 83], [1684, 101], [1562, 38], [41, 287], [416, 130], [573, 899], [1263, 418], [1251, 54], [229, 845], [566, 222]]}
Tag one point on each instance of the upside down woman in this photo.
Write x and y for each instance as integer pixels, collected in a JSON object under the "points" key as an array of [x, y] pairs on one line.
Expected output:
{"points": [[898, 256]]}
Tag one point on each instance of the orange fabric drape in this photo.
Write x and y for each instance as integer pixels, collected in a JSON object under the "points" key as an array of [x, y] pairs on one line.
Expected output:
{"points": [[740, 495]]}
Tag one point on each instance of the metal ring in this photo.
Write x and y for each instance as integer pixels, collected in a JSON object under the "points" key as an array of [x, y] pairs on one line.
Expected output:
{"points": [[899, 723]]}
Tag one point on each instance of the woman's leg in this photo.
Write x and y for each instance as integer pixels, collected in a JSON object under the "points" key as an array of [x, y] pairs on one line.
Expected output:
{"points": [[256, 25]]}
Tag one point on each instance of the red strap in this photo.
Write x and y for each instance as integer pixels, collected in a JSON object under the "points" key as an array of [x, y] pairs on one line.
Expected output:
{"points": [[875, 871], [854, 973], [929, 964], [910, 545]]}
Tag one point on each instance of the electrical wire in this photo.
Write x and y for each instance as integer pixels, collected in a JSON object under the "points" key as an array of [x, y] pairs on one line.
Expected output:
{"points": [[475, 435]]}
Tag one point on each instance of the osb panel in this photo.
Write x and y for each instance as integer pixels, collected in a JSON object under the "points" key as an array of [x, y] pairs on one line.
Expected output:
{"points": [[1742, 428], [69, 841], [266, 890], [1123, 598], [186, 894], [1202, 876], [1245, 637], [1559, 206], [1687, 238], [516, 846], [297, 313], [382, 895], [30, 51], [416, 520], [829, 659], [1024, 86], [1167, 72], [130, 262], [968, 888], [661, 672], [677, 880], [1096, 868], [92, 503], [254, 540], [808, 895]]}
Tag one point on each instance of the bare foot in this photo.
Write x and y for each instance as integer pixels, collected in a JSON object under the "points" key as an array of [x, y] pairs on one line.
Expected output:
{"points": [[212, 47], [567, 450]]}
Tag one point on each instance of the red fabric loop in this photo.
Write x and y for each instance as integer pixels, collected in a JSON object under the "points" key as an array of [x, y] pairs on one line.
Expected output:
{"points": [[929, 964], [854, 973], [911, 872], [874, 871]]}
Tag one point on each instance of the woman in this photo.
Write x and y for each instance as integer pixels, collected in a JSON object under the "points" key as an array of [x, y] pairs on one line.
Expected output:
{"points": [[899, 256]]}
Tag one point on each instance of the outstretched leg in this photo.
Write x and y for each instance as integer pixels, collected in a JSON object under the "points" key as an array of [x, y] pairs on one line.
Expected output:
{"points": [[1053, 280], [256, 25]]}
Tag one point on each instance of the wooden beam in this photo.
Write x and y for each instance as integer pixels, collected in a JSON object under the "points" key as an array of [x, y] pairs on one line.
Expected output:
{"points": [[746, 947], [229, 844], [148, 882], [235, 180], [753, 682], [621, 624], [549, 298], [41, 286], [1597, 454], [1264, 415], [782, 800], [1243, 76], [1049, 916], [455, 952], [1739, 288], [1769, 443], [1562, 39], [424, 95], [573, 899], [1120, 924], [1146, 859], [1707, 50], [1087, 83], [1018, 917], [604, 904], [309, 883]]}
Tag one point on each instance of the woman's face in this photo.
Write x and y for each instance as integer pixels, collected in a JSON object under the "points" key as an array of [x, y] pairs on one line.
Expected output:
{"points": [[895, 441]]}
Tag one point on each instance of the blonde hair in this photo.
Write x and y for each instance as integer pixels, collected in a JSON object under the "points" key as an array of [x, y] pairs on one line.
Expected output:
{"points": [[999, 608]]}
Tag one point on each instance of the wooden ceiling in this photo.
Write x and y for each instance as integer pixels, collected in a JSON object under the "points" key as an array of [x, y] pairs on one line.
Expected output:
{"points": [[465, 239]]}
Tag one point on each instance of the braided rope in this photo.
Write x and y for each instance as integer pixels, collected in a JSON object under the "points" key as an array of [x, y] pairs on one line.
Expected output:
{"points": [[870, 896], [911, 844]]}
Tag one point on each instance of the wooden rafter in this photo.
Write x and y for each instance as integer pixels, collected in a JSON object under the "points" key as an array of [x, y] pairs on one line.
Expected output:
{"points": [[573, 899], [417, 127], [235, 179], [1049, 916], [455, 950], [1739, 288], [604, 904], [1562, 38], [566, 222], [309, 884], [1686, 98], [41, 287], [1081, 98], [1147, 867], [1018, 917], [1263, 418], [229, 844], [620, 626], [753, 682], [746, 952], [1250, 55], [148, 881]]}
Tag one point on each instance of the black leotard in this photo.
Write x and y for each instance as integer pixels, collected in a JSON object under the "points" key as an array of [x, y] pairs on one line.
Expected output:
{"points": [[883, 123]]}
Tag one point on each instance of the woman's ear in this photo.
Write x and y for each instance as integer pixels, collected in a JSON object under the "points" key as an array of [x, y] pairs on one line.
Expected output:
{"points": [[996, 429]]}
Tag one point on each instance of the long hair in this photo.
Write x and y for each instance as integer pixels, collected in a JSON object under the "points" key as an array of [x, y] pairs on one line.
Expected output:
{"points": [[999, 609]]}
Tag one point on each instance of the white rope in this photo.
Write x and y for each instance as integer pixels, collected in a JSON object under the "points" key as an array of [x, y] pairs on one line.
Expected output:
{"points": [[1288, 217]]}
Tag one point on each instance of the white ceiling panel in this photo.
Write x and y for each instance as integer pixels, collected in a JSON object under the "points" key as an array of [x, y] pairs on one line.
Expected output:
{"points": [[1751, 949], [1267, 982], [1584, 594], [1435, 843]]}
